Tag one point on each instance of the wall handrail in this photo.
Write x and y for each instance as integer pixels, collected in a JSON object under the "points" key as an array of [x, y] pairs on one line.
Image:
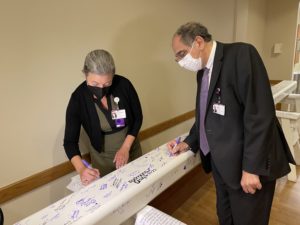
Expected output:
{"points": [[39, 179]]}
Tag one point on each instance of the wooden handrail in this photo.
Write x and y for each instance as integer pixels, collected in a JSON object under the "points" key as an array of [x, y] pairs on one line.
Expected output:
{"points": [[37, 180], [273, 82], [149, 132]]}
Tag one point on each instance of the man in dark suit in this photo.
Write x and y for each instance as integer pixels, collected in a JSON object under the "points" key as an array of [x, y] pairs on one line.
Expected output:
{"points": [[236, 129]]}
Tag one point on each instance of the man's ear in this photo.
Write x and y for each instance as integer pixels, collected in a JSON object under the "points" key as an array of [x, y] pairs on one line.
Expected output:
{"points": [[199, 42]]}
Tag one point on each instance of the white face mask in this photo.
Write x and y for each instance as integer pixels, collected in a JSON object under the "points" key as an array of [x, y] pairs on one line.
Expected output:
{"points": [[189, 63]]}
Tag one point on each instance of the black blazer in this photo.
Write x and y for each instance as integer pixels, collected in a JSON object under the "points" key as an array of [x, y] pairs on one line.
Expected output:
{"points": [[248, 137], [81, 111]]}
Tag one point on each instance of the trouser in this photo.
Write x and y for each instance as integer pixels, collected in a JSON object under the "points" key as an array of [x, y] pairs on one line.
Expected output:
{"points": [[235, 207]]}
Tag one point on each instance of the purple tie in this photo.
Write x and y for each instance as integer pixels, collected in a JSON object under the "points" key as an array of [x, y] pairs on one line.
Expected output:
{"points": [[203, 101]]}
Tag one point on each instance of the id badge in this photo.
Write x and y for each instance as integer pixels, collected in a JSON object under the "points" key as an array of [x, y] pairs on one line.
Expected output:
{"points": [[219, 109], [119, 117], [118, 114]]}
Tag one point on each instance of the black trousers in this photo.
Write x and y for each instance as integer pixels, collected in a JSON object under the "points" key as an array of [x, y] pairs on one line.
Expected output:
{"points": [[235, 207]]}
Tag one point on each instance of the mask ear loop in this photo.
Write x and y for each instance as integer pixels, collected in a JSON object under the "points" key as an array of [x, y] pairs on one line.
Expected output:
{"points": [[190, 50], [191, 47]]}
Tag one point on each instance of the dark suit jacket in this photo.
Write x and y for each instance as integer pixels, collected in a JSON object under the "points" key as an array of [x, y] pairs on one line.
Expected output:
{"points": [[248, 137]]}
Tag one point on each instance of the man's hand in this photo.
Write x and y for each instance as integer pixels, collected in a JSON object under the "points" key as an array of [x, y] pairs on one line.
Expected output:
{"points": [[250, 182], [176, 149]]}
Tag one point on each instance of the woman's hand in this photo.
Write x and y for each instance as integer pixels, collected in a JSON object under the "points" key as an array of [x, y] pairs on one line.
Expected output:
{"points": [[88, 175], [121, 157]]}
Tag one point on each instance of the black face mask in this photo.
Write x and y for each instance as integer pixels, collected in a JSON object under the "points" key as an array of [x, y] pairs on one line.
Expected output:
{"points": [[98, 92]]}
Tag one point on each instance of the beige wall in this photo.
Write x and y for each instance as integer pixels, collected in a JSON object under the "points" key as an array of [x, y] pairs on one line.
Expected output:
{"points": [[43, 44], [256, 24], [280, 27], [264, 23], [250, 22]]}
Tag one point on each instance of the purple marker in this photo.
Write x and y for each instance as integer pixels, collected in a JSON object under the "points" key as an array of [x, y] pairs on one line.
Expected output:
{"points": [[86, 164], [177, 141]]}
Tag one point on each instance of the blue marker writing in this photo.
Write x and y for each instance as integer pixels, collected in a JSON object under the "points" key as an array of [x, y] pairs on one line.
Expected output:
{"points": [[86, 164]]}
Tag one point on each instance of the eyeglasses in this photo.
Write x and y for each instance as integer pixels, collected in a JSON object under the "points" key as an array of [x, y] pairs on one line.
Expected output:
{"points": [[181, 54]]}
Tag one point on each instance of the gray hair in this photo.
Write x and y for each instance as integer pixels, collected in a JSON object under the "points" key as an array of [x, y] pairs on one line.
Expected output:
{"points": [[100, 62], [190, 31]]}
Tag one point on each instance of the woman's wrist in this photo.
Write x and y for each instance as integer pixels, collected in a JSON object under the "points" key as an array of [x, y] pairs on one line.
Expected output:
{"points": [[128, 143], [125, 148], [77, 163]]}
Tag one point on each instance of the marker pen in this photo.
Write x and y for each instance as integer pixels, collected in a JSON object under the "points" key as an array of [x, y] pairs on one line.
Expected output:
{"points": [[86, 164], [177, 141]]}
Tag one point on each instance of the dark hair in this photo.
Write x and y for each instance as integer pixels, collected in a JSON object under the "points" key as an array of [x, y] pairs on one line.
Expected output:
{"points": [[191, 30]]}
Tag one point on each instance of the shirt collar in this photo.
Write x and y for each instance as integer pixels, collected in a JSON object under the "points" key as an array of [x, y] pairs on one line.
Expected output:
{"points": [[210, 61]]}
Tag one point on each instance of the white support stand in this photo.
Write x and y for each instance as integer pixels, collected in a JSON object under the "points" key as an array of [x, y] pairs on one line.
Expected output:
{"points": [[282, 92], [290, 122], [292, 103]]}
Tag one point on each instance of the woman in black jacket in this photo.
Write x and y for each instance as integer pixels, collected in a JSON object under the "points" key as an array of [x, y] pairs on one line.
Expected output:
{"points": [[107, 106]]}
